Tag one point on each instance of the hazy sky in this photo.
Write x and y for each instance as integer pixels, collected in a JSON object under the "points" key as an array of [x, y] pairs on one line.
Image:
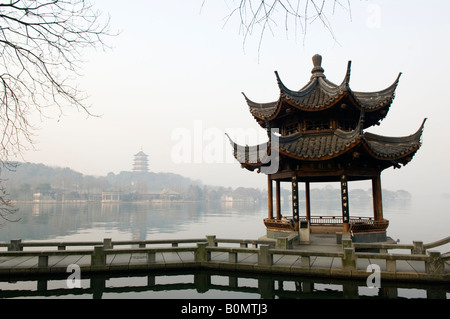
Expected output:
{"points": [[175, 75]]}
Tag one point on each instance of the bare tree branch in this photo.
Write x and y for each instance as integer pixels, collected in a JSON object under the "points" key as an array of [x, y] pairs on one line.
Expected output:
{"points": [[41, 46], [263, 15], [7, 210]]}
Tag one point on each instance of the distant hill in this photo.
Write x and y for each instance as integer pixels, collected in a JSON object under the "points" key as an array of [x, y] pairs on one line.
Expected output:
{"points": [[56, 183], [29, 178]]}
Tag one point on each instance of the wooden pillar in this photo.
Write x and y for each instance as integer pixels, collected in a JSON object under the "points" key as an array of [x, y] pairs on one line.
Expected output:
{"points": [[344, 199], [295, 212], [277, 193], [270, 196], [377, 199], [308, 201]]}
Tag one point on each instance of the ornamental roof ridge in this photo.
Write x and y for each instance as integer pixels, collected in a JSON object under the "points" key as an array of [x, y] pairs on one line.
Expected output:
{"points": [[317, 70], [415, 137]]}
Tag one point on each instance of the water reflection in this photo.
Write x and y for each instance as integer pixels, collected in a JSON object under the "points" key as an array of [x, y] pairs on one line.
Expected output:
{"points": [[146, 221], [49, 221], [135, 220], [213, 285]]}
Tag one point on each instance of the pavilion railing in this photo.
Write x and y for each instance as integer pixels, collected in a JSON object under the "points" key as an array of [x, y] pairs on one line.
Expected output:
{"points": [[368, 225], [333, 220], [357, 224]]}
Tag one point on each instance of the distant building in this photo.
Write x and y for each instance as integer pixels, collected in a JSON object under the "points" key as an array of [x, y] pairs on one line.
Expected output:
{"points": [[111, 197], [140, 164]]}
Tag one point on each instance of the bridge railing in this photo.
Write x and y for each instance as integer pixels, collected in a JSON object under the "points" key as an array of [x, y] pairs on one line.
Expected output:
{"points": [[417, 247], [433, 261], [108, 243], [203, 248]]}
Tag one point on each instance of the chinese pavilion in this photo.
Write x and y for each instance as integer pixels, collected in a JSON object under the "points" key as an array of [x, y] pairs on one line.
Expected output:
{"points": [[317, 134], [140, 163]]}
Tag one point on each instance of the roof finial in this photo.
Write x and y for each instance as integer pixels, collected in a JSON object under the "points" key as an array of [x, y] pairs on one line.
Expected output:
{"points": [[317, 71]]}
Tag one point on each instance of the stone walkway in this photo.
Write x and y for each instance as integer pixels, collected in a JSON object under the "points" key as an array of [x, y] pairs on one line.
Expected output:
{"points": [[138, 261]]}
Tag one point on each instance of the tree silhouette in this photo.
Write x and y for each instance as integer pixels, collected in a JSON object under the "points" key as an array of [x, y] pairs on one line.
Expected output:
{"points": [[41, 45]]}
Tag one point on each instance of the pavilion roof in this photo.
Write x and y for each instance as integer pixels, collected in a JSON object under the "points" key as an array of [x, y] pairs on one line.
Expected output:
{"points": [[329, 145], [320, 94], [332, 144]]}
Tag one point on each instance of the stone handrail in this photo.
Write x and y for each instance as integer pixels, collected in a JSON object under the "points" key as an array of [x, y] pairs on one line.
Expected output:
{"points": [[434, 262], [417, 247], [18, 245], [437, 243]]}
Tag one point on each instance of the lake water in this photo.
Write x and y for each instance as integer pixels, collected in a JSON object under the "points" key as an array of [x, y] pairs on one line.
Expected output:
{"points": [[424, 219]]}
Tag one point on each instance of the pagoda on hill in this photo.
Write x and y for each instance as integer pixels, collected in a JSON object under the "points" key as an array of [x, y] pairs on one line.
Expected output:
{"points": [[140, 163], [317, 134]]}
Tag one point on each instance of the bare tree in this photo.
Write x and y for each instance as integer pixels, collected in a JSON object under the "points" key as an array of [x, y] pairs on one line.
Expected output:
{"points": [[264, 15], [41, 45]]}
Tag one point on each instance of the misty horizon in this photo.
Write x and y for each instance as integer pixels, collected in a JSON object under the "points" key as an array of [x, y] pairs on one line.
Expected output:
{"points": [[182, 67]]}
